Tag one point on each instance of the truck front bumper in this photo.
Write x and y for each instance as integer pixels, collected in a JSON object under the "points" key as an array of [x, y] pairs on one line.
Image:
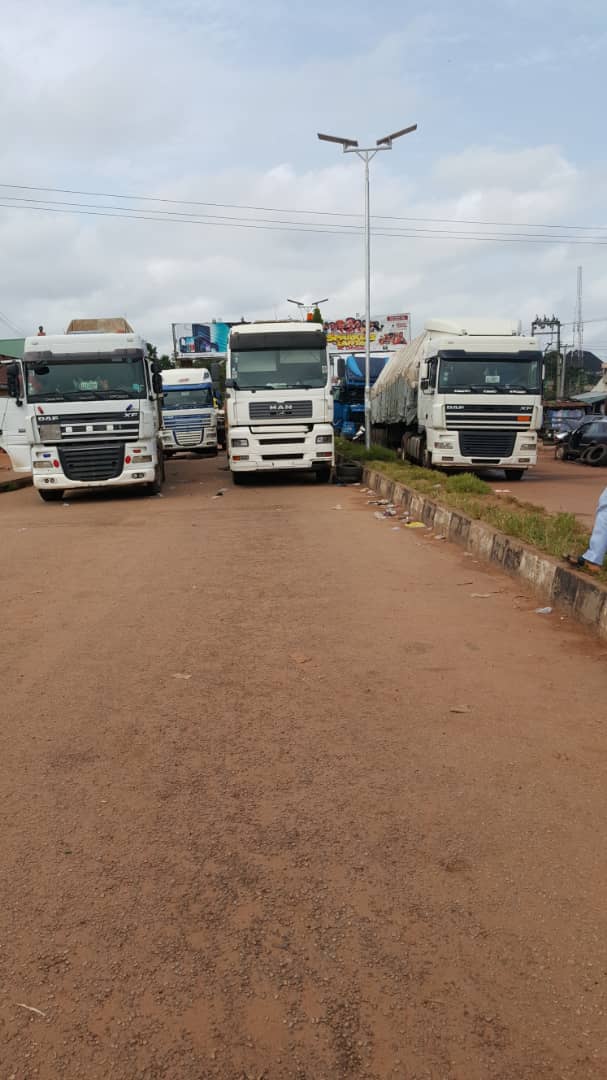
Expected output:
{"points": [[281, 448], [446, 453], [88, 467]]}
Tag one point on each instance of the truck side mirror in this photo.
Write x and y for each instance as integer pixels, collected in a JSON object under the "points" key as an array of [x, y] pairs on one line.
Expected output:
{"points": [[156, 368], [425, 385], [13, 379], [157, 382], [230, 384]]}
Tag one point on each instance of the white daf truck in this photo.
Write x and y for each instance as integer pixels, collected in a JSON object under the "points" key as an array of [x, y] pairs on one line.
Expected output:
{"points": [[279, 408], [189, 411], [465, 394], [84, 410]]}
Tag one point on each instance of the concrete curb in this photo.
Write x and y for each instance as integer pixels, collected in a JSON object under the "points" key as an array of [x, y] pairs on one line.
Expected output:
{"points": [[15, 483], [557, 584]]}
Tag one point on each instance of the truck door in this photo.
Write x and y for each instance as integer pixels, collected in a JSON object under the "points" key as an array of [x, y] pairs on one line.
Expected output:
{"points": [[15, 433]]}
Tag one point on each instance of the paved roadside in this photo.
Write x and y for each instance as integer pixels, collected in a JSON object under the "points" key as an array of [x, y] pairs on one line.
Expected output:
{"points": [[289, 793]]}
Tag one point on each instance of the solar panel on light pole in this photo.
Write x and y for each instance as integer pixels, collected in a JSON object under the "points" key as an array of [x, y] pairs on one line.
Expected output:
{"points": [[366, 154]]}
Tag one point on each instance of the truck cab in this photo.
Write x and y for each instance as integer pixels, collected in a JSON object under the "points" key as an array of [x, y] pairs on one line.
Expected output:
{"points": [[189, 411], [84, 411], [278, 400]]}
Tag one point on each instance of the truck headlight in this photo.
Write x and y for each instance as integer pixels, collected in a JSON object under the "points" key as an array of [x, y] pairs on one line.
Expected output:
{"points": [[240, 442], [528, 446], [444, 445], [324, 438]]}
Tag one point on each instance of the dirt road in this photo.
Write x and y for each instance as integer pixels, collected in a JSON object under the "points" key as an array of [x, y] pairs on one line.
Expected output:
{"points": [[287, 793]]}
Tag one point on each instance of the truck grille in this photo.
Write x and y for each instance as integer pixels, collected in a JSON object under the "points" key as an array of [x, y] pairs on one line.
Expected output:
{"points": [[486, 444], [187, 430], [279, 410], [282, 440], [282, 457], [92, 461], [89, 426], [504, 417]]}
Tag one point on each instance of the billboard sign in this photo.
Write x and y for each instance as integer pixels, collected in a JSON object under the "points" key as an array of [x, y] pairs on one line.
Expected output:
{"points": [[207, 337], [388, 332]]}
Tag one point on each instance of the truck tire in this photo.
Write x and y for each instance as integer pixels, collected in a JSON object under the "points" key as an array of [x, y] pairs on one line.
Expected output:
{"points": [[323, 475], [596, 455], [561, 454], [514, 474], [155, 485], [50, 496], [239, 478]]}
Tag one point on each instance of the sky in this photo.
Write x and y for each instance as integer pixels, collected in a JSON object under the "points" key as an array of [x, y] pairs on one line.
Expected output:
{"points": [[205, 102]]}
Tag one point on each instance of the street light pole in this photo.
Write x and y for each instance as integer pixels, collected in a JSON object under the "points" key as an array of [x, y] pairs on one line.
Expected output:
{"points": [[366, 154]]}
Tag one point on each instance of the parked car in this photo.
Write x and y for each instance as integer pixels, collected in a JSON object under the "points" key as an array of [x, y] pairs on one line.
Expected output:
{"points": [[587, 442]]}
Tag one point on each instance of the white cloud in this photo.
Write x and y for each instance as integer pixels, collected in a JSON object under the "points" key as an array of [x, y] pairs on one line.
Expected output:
{"points": [[221, 102]]}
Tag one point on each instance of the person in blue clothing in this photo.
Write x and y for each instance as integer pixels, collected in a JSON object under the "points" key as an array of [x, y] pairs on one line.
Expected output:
{"points": [[593, 558]]}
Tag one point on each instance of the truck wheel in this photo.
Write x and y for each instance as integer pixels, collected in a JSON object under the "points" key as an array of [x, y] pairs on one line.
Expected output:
{"points": [[50, 496], [155, 485], [239, 478], [514, 474], [323, 475], [426, 459], [561, 453]]}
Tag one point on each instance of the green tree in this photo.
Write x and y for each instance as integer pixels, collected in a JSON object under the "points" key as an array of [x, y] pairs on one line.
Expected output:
{"points": [[151, 351], [316, 315]]}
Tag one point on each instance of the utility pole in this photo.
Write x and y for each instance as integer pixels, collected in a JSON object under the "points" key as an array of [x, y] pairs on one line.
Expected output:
{"points": [[366, 154], [578, 326], [549, 325]]}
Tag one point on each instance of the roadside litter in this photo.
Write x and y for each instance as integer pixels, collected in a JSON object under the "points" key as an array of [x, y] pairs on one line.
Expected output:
{"points": [[543, 611]]}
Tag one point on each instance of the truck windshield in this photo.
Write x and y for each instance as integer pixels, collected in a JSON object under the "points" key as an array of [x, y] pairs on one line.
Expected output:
{"points": [[279, 369], [489, 376], [187, 397], [80, 378]]}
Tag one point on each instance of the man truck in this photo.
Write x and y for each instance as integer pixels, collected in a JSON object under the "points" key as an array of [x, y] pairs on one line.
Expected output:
{"points": [[84, 410], [279, 408], [465, 394]]}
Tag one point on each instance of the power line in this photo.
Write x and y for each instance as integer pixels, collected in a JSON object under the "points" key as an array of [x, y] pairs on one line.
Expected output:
{"points": [[290, 226], [7, 322], [44, 203], [283, 210]]}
